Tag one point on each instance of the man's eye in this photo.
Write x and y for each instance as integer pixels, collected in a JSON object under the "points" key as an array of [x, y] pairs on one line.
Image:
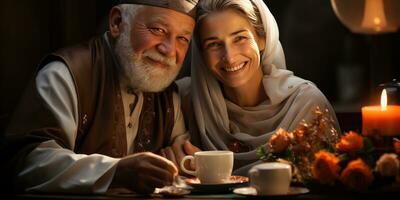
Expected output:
{"points": [[157, 30], [184, 39]]}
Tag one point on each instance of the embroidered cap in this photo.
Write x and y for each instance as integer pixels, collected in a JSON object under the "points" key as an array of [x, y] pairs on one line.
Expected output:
{"points": [[187, 7]]}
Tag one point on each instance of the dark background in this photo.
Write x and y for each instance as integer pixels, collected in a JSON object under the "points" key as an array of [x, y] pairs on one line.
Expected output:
{"points": [[346, 67]]}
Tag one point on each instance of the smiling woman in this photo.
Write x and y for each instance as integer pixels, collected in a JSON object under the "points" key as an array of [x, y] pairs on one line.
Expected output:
{"points": [[232, 52], [240, 92]]}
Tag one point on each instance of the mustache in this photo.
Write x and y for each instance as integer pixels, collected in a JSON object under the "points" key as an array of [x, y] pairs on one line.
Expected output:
{"points": [[154, 55]]}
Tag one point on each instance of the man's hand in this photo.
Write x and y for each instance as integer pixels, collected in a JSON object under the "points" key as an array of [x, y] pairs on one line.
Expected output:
{"points": [[143, 172]]}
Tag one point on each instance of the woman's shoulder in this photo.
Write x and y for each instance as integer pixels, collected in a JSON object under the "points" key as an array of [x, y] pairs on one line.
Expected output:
{"points": [[310, 91], [310, 97]]}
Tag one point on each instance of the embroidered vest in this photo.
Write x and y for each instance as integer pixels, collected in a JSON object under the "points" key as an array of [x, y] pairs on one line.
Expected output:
{"points": [[101, 127]]}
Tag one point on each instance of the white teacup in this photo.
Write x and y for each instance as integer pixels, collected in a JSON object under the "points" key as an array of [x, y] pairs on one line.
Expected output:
{"points": [[271, 178], [211, 166]]}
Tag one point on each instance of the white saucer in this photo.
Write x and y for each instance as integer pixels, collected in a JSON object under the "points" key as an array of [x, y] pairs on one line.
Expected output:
{"points": [[233, 182], [250, 191], [172, 191]]}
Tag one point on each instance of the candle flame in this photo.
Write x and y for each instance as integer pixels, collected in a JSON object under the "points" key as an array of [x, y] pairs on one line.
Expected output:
{"points": [[384, 100]]}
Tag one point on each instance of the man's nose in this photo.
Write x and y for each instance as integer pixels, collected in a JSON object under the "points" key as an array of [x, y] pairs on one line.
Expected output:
{"points": [[167, 48]]}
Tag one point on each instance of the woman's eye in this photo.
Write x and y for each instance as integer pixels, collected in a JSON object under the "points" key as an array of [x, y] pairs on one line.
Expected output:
{"points": [[240, 38], [213, 45]]}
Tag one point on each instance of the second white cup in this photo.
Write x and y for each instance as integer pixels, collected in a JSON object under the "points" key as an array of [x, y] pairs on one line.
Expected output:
{"points": [[212, 167], [271, 178]]}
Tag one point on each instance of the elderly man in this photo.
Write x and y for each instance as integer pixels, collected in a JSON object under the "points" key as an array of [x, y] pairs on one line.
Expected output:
{"points": [[96, 111]]}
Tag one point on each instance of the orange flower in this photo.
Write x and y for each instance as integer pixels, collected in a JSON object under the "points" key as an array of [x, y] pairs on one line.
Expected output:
{"points": [[298, 133], [357, 175], [325, 167], [279, 142], [350, 142], [388, 164]]}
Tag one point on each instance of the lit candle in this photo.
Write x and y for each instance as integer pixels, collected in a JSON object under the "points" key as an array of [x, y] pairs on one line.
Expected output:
{"points": [[383, 120]]}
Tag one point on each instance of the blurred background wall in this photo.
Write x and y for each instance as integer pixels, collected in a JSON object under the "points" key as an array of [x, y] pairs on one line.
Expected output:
{"points": [[346, 67]]}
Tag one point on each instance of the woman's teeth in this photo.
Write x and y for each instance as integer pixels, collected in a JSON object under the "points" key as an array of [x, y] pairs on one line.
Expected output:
{"points": [[233, 69]]}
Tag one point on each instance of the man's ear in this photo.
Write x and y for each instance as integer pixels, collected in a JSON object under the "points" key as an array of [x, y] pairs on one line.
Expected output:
{"points": [[115, 20]]}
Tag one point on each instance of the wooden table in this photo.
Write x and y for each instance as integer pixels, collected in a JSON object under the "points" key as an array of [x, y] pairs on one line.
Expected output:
{"points": [[337, 195]]}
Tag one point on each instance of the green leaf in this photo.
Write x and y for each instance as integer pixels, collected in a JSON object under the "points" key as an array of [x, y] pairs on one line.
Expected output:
{"points": [[368, 145], [270, 157], [344, 158], [289, 155], [369, 160], [262, 151]]}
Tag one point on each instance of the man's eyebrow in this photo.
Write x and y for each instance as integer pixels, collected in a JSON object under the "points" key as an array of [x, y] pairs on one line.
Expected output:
{"points": [[187, 32], [160, 21]]}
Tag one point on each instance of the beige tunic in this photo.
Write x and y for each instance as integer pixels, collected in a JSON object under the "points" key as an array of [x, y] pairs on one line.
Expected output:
{"points": [[51, 168]]}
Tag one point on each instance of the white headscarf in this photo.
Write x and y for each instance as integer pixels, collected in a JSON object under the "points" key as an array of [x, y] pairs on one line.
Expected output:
{"points": [[220, 121]]}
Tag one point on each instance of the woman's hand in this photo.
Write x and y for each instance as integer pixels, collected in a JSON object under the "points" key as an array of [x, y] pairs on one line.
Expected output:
{"points": [[177, 151]]}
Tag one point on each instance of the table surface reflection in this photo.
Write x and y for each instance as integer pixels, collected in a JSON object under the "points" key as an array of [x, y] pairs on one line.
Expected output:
{"points": [[341, 195], [335, 192]]}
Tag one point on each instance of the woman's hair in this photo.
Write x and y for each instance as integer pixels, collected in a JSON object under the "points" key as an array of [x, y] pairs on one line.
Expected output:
{"points": [[244, 7]]}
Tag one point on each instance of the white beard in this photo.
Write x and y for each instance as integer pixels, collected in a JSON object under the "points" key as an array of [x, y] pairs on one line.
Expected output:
{"points": [[140, 75]]}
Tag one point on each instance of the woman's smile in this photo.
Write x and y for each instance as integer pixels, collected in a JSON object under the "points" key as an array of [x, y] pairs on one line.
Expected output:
{"points": [[234, 68]]}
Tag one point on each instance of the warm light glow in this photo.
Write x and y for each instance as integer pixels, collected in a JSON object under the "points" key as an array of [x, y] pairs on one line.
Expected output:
{"points": [[384, 100], [368, 16], [374, 15], [377, 21]]}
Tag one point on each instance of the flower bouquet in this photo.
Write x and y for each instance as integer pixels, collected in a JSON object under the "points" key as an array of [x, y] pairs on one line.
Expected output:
{"points": [[319, 155]]}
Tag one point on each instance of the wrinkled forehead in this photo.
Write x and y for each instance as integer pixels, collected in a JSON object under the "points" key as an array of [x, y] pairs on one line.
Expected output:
{"points": [[174, 21], [187, 7]]}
